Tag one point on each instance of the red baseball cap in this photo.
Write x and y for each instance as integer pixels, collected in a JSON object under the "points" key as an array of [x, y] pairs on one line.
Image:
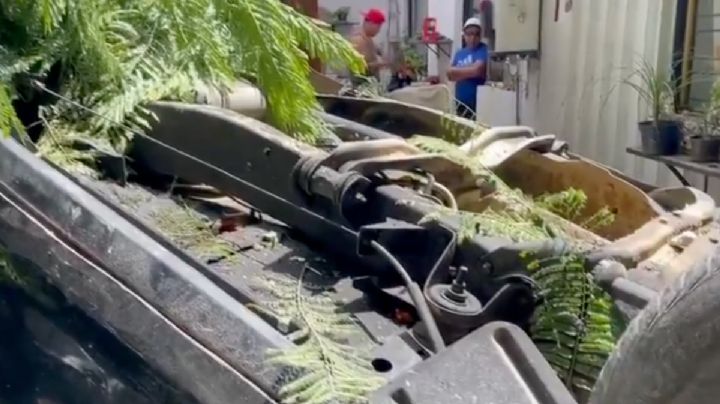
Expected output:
{"points": [[375, 16]]}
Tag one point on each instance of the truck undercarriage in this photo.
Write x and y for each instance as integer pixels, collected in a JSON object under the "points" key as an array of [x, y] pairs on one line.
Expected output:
{"points": [[286, 236]]}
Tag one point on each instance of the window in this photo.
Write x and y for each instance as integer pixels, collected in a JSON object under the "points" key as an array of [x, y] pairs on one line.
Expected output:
{"points": [[697, 45]]}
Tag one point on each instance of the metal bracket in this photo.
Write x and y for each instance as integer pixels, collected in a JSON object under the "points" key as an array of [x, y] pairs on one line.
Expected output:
{"points": [[502, 347], [404, 240]]}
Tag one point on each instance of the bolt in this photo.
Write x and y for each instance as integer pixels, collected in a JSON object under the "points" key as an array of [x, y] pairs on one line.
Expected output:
{"points": [[458, 285]]}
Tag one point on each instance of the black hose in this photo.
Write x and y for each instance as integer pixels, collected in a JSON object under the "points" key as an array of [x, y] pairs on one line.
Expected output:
{"points": [[417, 297]]}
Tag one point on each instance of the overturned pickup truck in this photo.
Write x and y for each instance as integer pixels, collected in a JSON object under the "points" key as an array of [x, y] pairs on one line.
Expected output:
{"points": [[413, 258]]}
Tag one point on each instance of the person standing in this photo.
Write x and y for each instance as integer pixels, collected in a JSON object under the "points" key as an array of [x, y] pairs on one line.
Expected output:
{"points": [[363, 41], [468, 69]]}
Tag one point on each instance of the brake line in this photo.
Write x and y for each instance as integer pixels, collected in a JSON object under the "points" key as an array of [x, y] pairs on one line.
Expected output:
{"points": [[417, 297]]}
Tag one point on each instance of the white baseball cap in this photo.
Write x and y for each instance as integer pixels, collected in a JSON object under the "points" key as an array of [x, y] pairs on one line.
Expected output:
{"points": [[472, 22]]}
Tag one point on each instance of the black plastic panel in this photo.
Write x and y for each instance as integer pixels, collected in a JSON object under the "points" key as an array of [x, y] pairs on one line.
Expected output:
{"points": [[497, 363], [112, 268]]}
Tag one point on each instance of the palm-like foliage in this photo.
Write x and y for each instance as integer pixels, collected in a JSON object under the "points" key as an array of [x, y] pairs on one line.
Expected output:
{"points": [[115, 56]]}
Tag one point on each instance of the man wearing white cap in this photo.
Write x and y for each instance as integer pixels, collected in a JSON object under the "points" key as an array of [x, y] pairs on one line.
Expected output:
{"points": [[468, 68]]}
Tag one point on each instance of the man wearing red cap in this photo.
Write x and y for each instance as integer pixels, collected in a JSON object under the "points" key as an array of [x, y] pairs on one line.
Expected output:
{"points": [[363, 41]]}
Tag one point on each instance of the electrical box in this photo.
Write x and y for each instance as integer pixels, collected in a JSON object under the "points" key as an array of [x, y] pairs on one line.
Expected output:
{"points": [[517, 26]]}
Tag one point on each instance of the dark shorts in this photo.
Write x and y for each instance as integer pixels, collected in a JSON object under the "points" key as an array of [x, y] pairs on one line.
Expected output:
{"points": [[465, 111]]}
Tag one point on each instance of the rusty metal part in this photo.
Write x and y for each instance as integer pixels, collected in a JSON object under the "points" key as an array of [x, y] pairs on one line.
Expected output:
{"points": [[537, 174], [495, 145], [397, 117]]}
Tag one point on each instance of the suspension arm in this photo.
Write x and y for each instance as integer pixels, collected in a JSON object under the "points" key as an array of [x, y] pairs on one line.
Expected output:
{"points": [[316, 193]]}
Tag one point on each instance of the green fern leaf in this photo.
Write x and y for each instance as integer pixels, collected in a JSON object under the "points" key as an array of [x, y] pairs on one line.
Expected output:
{"points": [[8, 119], [330, 369], [573, 327], [191, 231], [568, 204]]}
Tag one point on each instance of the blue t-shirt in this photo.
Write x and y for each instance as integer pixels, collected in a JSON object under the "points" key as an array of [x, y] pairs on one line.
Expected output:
{"points": [[466, 90]]}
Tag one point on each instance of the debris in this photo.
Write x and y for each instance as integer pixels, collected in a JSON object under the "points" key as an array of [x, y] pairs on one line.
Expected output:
{"points": [[270, 239], [683, 240]]}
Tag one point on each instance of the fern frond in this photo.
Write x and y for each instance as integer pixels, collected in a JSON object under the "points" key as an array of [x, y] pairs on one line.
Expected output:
{"points": [[62, 153], [436, 145], [568, 204], [491, 223], [191, 231], [458, 134], [573, 327], [8, 120], [602, 218], [368, 87], [331, 370]]}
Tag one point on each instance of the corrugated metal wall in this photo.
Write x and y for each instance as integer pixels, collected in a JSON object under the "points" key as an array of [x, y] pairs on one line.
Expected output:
{"points": [[584, 53], [706, 60]]}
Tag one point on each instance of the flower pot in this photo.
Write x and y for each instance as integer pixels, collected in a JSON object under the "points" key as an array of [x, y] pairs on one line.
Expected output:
{"points": [[704, 148], [660, 138], [344, 28]]}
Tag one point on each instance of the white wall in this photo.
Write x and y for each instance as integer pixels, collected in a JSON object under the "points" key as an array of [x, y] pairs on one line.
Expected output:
{"points": [[449, 15]]}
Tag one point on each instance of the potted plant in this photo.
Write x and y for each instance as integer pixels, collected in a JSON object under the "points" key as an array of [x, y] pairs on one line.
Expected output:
{"points": [[341, 14], [704, 142], [413, 60], [660, 134], [340, 23]]}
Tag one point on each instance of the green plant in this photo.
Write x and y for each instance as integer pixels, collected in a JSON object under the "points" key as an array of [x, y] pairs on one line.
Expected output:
{"points": [[331, 370], [709, 123], [341, 14], [715, 94], [413, 59], [711, 117], [436, 145], [654, 86], [457, 133], [368, 87], [191, 231], [115, 57], [573, 327], [570, 204]]}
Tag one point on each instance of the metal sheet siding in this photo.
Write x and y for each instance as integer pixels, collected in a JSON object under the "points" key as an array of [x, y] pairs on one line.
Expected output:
{"points": [[584, 55]]}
